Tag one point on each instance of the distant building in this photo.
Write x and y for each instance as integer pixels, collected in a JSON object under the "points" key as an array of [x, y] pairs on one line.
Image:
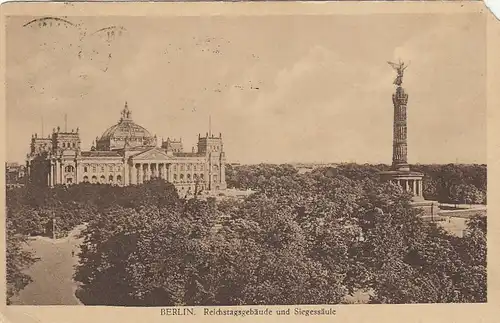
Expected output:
{"points": [[14, 174], [127, 154]]}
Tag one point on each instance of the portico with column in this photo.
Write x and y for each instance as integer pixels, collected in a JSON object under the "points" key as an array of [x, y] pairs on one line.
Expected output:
{"points": [[145, 170]]}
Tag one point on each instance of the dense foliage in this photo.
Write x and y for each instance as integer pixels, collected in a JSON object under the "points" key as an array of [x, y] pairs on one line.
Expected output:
{"points": [[17, 260], [299, 239], [454, 183], [35, 210], [451, 183]]}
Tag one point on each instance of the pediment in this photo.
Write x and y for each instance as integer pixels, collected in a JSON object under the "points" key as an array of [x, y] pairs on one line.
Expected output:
{"points": [[151, 154]]}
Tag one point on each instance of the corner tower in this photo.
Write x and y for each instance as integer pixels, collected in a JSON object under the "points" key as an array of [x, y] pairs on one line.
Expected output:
{"points": [[212, 148]]}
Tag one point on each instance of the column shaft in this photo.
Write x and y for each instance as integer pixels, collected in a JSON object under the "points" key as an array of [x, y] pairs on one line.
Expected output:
{"points": [[141, 173], [169, 173], [127, 174], [51, 174], [133, 175]]}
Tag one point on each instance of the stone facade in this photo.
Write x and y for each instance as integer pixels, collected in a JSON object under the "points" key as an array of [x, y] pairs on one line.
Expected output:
{"points": [[14, 174], [127, 154]]}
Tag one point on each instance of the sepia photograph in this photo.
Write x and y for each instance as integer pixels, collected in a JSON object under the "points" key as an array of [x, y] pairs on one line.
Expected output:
{"points": [[246, 160]]}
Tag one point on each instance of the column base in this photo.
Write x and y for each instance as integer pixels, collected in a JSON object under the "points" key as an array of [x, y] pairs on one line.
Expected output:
{"points": [[430, 209]]}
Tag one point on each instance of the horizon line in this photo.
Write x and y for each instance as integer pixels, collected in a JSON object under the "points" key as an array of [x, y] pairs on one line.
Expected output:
{"points": [[325, 163]]}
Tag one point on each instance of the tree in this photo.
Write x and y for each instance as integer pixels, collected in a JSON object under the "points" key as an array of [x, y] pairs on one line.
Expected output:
{"points": [[430, 188], [475, 196], [299, 239], [466, 194], [16, 261], [457, 194]]}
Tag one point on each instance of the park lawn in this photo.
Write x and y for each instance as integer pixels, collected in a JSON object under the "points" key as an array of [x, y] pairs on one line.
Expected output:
{"points": [[53, 274]]}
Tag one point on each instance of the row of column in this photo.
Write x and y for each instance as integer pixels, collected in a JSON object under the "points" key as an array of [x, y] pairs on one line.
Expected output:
{"points": [[411, 185], [142, 172], [137, 174], [55, 173]]}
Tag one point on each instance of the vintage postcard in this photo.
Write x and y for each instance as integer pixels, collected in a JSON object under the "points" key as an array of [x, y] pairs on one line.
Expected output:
{"points": [[255, 161]]}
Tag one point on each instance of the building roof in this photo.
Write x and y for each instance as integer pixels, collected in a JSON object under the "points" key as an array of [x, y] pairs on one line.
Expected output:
{"points": [[188, 154], [98, 153], [126, 128], [401, 173]]}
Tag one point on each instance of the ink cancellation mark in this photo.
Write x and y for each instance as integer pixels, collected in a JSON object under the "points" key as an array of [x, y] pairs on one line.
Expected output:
{"points": [[49, 21], [94, 47], [176, 311]]}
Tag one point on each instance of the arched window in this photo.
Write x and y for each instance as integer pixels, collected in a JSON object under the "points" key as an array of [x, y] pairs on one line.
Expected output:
{"points": [[85, 169], [189, 177], [182, 167], [111, 168], [175, 177], [102, 169], [202, 176], [94, 169], [94, 179], [174, 168], [182, 177], [188, 166], [85, 179], [119, 179], [74, 145], [64, 145], [111, 178], [103, 179], [215, 178], [195, 176]]}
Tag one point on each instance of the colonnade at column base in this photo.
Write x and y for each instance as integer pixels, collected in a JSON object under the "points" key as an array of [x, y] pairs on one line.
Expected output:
{"points": [[407, 180], [413, 182]]}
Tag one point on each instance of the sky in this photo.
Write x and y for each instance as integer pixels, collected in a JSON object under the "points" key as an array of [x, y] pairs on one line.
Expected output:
{"points": [[279, 88]]}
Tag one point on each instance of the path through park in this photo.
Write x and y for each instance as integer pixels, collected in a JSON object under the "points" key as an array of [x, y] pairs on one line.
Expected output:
{"points": [[52, 274]]}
